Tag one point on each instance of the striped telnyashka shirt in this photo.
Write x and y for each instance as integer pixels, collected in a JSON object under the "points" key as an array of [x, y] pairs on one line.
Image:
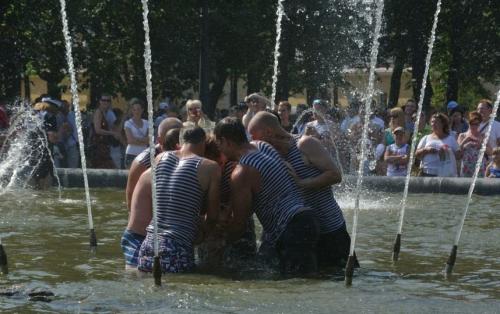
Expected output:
{"points": [[179, 198], [321, 200], [279, 198]]}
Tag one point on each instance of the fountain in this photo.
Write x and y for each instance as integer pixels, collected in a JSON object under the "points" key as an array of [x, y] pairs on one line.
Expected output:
{"points": [[39, 228], [397, 241], [349, 270], [280, 11], [78, 118], [149, 91]]}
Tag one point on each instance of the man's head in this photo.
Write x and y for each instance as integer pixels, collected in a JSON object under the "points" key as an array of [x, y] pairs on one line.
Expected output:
{"points": [[485, 108], [193, 136], [230, 135], [165, 126], [264, 126], [399, 135], [256, 102], [284, 110], [171, 140]]}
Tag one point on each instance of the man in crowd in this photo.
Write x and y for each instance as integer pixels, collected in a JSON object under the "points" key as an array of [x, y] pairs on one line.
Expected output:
{"points": [[284, 111], [485, 109], [315, 173], [261, 183], [185, 183]]}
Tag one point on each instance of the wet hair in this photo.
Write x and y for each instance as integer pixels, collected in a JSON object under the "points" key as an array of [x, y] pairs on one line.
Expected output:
{"points": [[171, 139], [212, 151], [444, 121], [231, 129], [474, 116], [194, 135]]}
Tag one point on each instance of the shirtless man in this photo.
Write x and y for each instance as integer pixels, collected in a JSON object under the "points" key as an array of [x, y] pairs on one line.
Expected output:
{"points": [[186, 183], [142, 162], [315, 172], [261, 183]]}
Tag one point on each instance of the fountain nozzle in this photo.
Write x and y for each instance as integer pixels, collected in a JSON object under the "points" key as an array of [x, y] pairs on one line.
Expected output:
{"points": [[93, 239], [4, 269], [451, 260], [396, 248], [349, 270], [157, 271]]}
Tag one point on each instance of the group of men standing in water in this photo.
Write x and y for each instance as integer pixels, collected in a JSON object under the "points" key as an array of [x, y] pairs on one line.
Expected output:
{"points": [[209, 188]]}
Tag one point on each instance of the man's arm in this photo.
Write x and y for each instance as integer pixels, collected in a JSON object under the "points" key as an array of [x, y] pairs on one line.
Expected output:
{"points": [[135, 172], [316, 155], [244, 181]]}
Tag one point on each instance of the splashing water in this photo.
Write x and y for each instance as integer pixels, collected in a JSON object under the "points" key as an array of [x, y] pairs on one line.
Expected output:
{"points": [[76, 108], [367, 114], [415, 133], [149, 91], [23, 149], [279, 13]]}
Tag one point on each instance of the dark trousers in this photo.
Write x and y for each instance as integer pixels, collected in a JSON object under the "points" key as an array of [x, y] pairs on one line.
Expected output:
{"points": [[333, 248], [297, 245]]}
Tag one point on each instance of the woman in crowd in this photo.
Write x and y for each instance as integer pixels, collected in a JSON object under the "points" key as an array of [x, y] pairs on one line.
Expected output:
{"points": [[396, 119], [493, 169], [102, 135], [458, 124], [470, 143], [196, 117], [136, 131], [439, 150]]}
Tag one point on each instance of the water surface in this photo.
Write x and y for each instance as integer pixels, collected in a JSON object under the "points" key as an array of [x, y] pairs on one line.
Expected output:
{"points": [[47, 244]]}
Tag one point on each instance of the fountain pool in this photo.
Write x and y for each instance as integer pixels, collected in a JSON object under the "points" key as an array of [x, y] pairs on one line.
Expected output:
{"points": [[47, 244]]}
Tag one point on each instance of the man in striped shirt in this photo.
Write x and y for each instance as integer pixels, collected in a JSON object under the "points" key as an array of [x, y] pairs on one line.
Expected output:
{"points": [[315, 173], [185, 183], [261, 183]]}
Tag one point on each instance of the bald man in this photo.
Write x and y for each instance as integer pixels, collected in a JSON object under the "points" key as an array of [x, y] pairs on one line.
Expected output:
{"points": [[142, 162], [315, 173]]}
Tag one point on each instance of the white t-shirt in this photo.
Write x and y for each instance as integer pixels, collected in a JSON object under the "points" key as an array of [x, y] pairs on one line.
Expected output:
{"points": [[495, 133], [432, 163], [138, 133], [348, 122], [396, 170]]}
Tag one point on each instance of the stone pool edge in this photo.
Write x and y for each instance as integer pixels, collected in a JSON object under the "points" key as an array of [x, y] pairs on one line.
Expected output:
{"points": [[73, 178]]}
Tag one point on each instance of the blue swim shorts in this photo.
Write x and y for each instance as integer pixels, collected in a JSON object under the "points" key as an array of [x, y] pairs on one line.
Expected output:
{"points": [[131, 243], [174, 257]]}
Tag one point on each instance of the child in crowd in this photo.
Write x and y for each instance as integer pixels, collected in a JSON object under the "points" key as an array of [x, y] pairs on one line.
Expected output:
{"points": [[396, 154], [493, 169]]}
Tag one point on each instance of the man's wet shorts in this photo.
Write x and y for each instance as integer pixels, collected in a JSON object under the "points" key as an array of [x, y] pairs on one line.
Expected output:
{"points": [[174, 257], [131, 243]]}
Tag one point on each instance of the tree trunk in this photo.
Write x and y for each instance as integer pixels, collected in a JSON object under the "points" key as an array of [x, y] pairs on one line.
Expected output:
{"points": [[399, 63], [233, 98], [253, 81], [204, 55], [452, 83]]}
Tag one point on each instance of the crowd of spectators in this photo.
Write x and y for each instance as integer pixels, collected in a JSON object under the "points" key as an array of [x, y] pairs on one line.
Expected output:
{"points": [[448, 143]]}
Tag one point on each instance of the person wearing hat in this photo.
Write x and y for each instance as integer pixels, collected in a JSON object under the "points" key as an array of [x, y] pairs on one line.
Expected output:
{"points": [[396, 154]]}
